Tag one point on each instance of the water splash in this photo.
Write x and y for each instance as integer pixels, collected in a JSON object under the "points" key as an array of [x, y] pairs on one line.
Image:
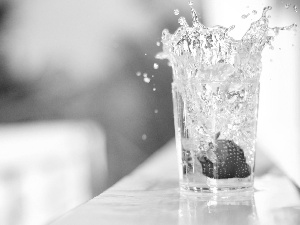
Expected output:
{"points": [[254, 12], [295, 8], [287, 5], [158, 43], [210, 53], [155, 66], [176, 12]]}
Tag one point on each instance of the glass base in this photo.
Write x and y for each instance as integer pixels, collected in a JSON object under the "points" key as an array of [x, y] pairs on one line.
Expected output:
{"points": [[215, 190]]}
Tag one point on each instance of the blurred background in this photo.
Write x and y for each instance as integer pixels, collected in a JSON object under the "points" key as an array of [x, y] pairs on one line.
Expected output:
{"points": [[83, 101]]}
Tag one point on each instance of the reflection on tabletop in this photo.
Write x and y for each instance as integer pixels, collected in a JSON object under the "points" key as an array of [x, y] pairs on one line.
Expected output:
{"points": [[195, 209]]}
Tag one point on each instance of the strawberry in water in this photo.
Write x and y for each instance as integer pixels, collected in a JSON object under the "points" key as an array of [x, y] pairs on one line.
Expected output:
{"points": [[229, 162]]}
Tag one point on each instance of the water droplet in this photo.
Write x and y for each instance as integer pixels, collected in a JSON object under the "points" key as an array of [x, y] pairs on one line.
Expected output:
{"points": [[138, 73], [158, 43], [265, 10], [245, 16], [156, 111], [147, 79], [145, 74], [191, 3], [295, 8], [154, 89], [287, 5], [254, 12], [176, 12], [165, 34], [144, 137], [155, 66], [182, 22]]}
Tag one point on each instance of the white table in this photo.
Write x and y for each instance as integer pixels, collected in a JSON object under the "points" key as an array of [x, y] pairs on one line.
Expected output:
{"points": [[150, 195]]}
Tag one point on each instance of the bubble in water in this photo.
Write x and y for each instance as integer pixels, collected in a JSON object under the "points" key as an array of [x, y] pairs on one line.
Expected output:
{"points": [[254, 12], [158, 43], [191, 3], [155, 66], [144, 137], [287, 5], [154, 89], [295, 8], [245, 16], [147, 79], [156, 111], [176, 12], [138, 73]]}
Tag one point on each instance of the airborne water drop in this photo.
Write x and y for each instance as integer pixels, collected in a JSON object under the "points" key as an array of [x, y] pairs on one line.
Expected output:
{"points": [[147, 79]]}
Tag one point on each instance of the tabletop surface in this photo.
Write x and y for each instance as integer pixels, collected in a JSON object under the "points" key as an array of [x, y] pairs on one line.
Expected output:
{"points": [[150, 195]]}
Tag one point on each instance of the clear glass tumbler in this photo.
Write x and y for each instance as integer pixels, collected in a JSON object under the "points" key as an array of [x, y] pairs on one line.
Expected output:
{"points": [[215, 131]]}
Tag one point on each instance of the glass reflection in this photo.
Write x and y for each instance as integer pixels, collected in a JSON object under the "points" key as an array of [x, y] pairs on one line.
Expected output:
{"points": [[234, 209]]}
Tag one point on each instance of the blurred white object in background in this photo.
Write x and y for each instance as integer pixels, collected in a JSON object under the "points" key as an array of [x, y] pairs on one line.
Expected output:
{"points": [[46, 169], [279, 110], [78, 38]]}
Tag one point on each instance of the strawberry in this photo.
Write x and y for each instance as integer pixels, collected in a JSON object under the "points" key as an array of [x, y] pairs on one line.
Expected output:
{"points": [[230, 161]]}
